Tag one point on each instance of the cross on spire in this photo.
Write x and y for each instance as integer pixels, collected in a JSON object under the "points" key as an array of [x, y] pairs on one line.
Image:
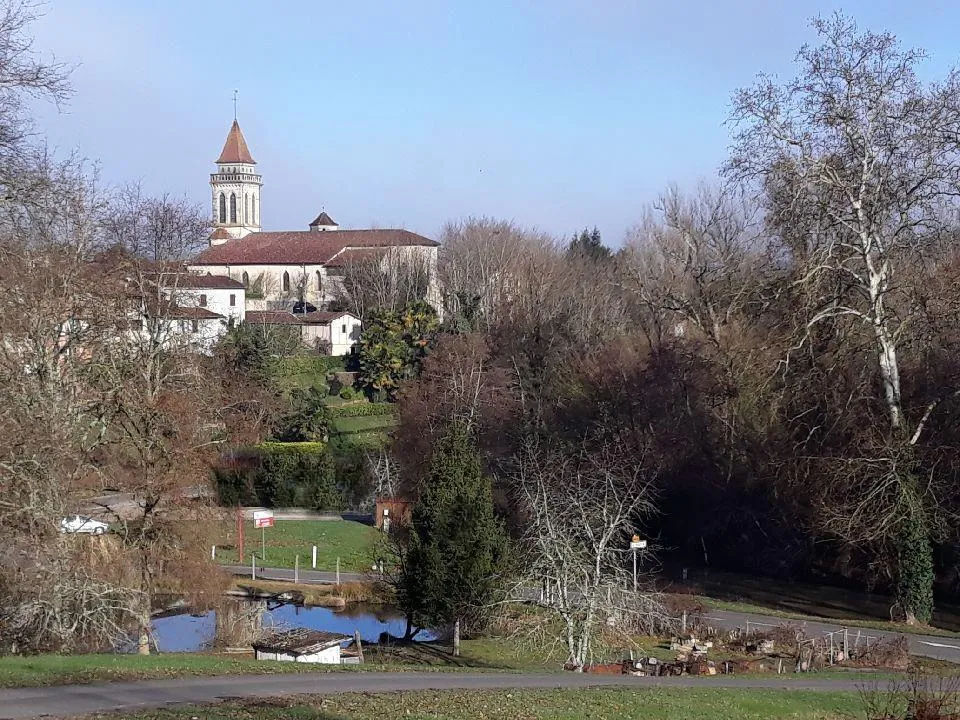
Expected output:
{"points": [[235, 104]]}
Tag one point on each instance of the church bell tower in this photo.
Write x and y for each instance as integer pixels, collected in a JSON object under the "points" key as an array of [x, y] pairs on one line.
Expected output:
{"points": [[235, 188]]}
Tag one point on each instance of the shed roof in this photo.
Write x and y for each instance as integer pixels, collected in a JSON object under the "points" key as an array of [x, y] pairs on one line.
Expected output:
{"points": [[300, 641]]}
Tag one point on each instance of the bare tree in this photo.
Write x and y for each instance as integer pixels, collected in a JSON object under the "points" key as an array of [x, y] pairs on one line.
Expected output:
{"points": [[698, 261], [23, 76], [582, 511], [860, 160], [382, 279], [476, 266], [155, 228]]}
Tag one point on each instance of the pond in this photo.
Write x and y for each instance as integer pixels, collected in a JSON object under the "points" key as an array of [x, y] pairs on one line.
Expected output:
{"points": [[194, 633]]}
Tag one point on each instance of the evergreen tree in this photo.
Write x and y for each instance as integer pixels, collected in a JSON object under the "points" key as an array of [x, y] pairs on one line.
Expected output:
{"points": [[456, 548], [393, 345], [589, 246]]}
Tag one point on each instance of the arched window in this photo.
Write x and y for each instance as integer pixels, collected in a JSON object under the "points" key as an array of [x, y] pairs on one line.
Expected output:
{"points": [[246, 280], [253, 207], [233, 207], [223, 208], [319, 281], [246, 207], [286, 282]]}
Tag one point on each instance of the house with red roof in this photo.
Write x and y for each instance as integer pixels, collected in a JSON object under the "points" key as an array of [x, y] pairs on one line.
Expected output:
{"points": [[283, 269]]}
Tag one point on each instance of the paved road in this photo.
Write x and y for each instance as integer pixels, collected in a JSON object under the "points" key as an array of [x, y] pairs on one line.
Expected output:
{"points": [[72, 700], [929, 646]]}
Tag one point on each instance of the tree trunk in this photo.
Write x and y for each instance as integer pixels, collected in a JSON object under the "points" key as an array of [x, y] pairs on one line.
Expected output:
{"points": [[456, 638], [143, 638], [915, 572]]}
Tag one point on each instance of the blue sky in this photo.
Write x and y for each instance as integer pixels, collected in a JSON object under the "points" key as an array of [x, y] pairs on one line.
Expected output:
{"points": [[559, 114]]}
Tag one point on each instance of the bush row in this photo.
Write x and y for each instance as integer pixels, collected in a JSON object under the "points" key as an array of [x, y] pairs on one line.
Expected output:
{"points": [[309, 364], [362, 410], [280, 475]]}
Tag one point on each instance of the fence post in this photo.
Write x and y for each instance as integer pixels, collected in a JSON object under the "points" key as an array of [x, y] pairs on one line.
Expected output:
{"points": [[314, 557], [296, 569], [213, 552], [356, 639], [253, 566], [683, 623], [338, 570]]}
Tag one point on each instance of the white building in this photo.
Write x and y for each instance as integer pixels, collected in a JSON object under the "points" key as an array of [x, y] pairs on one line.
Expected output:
{"points": [[235, 189], [333, 333], [282, 268], [217, 293], [302, 646]]}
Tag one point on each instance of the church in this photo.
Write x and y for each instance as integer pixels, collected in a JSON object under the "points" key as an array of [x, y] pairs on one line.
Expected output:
{"points": [[279, 269]]}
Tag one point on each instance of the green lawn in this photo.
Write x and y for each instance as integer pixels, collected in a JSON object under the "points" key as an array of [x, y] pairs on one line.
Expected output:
{"points": [[592, 704], [42, 670], [363, 423], [358, 441], [354, 543]]}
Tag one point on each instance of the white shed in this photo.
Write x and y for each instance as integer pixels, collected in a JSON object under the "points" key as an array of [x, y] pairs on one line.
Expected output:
{"points": [[301, 645]]}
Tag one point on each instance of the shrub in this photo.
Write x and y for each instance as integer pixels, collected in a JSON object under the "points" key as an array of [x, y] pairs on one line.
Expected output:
{"points": [[364, 410], [349, 393], [280, 474], [309, 365]]}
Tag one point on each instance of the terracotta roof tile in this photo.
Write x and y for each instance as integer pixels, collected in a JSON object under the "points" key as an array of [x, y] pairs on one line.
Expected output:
{"points": [[176, 312], [220, 234], [272, 317], [319, 317], [323, 219], [213, 282], [304, 247], [354, 255], [235, 148]]}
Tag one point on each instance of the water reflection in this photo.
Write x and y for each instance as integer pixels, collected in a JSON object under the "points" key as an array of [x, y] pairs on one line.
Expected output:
{"points": [[192, 633]]}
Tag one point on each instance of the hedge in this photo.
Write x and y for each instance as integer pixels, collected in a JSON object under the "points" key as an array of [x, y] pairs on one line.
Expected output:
{"points": [[276, 474], [362, 410], [291, 448], [309, 364]]}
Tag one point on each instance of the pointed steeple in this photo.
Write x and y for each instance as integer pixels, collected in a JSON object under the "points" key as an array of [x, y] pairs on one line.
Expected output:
{"points": [[235, 148]]}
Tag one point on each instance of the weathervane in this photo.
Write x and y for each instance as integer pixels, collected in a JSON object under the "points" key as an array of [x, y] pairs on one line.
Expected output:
{"points": [[235, 104]]}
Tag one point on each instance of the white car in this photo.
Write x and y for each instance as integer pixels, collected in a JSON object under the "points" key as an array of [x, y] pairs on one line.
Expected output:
{"points": [[81, 524]]}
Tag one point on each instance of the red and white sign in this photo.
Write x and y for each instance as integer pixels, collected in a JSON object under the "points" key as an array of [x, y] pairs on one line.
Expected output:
{"points": [[263, 519]]}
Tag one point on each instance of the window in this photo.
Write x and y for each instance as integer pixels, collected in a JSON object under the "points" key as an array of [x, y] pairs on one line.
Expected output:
{"points": [[233, 300], [253, 213], [246, 280], [194, 325], [203, 301], [343, 329], [319, 280], [246, 207], [223, 208], [233, 207], [286, 282]]}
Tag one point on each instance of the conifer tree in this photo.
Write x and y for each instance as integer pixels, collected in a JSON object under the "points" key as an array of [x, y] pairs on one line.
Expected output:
{"points": [[457, 547]]}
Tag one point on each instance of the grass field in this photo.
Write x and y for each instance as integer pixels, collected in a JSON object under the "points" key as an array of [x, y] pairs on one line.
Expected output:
{"points": [[354, 543], [363, 423], [592, 704], [43, 670]]}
